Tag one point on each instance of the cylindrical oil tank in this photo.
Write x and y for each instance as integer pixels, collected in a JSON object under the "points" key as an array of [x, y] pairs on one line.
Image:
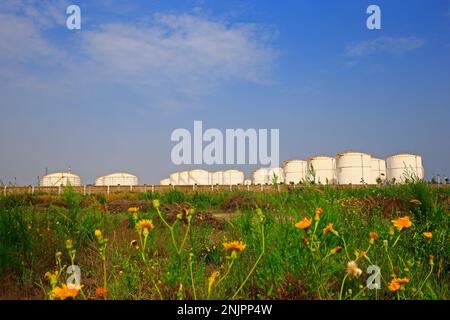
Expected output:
{"points": [[403, 167], [118, 178], [353, 168], [248, 182], [275, 175], [174, 178], [322, 169], [199, 177], [217, 177], [233, 177], [261, 176], [183, 178], [60, 179], [294, 171], [378, 170], [166, 182]]}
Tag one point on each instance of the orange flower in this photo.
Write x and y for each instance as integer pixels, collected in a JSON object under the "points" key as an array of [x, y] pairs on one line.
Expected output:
{"points": [[305, 223], [133, 209], [319, 211], [402, 223], [145, 224], [101, 293], [63, 292], [396, 283], [373, 235], [328, 228], [234, 246], [98, 233], [428, 235]]}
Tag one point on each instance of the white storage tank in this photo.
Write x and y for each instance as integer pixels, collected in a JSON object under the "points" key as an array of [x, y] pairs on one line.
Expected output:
{"points": [[183, 178], [294, 171], [60, 179], [261, 176], [400, 167], [378, 170], [174, 178], [217, 177], [322, 169], [275, 174], [233, 177], [166, 182], [118, 178], [199, 177], [353, 168]]}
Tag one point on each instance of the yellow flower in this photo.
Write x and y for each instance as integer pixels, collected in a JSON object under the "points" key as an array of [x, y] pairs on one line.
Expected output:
{"points": [[98, 233], [212, 278], [353, 270], [133, 209], [428, 235], [396, 283], [328, 228], [305, 223], [234, 246], [63, 292], [145, 224], [402, 223]]}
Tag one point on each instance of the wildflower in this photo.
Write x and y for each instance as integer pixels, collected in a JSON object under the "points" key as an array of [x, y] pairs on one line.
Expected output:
{"points": [[98, 233], [328, 228], [101, 293], [63, 292], [305, 241], [396, 283], [212, 278], [353, 270], [69, 244], [145, 224], [428, 235], [156, 203], [133, 210], [373, 235], [52, 278], [391, 231], [305, 223], [234, 246], [336, 250], [402, 223], [416, 202], [319, 211]]}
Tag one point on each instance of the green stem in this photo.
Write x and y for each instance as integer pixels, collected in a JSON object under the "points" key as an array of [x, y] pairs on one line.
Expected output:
{"points": [[192, 280], [263, 246], [342, 286]]}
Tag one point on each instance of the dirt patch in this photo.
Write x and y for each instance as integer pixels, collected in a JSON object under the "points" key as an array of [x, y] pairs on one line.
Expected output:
{"points": [[118, 206], [242, 202]]}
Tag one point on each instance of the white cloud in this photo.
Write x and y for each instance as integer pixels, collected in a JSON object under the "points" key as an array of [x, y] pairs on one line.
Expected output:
{"points": [[170, 60], [390, 45]]}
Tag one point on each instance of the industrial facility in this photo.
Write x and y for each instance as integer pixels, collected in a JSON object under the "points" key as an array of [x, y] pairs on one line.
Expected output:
{"points": [[345, 168], [117, 179], [57, 179]]}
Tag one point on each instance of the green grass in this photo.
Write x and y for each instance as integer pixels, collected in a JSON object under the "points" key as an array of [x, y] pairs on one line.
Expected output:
{"points": [[34, 228]]}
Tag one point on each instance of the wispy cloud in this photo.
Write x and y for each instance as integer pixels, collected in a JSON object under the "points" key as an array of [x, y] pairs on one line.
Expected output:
{"points": [[170, 60], [389, 45]]}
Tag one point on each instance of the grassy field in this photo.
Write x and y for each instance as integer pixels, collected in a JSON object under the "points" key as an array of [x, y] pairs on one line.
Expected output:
{"points": [[308, 243]]}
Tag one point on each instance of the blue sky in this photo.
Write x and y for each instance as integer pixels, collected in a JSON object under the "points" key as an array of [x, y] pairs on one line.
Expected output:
{"points": [[107, 97]]}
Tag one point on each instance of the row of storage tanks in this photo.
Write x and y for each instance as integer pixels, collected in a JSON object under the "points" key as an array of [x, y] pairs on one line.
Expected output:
{"points": [[344, 168], [68, 178]]}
